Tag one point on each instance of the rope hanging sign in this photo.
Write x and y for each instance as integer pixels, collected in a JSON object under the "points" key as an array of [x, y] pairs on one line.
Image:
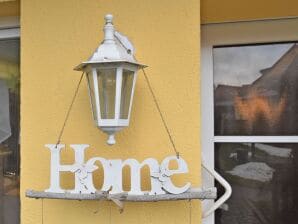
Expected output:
{"points": [[162, 187]]}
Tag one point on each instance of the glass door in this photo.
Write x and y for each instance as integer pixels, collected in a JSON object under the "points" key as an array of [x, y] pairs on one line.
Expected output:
{"points": [[250, 111]]}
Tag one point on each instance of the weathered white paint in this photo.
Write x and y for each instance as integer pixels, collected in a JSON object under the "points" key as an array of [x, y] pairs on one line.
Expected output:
{"points": [[160, 175]]}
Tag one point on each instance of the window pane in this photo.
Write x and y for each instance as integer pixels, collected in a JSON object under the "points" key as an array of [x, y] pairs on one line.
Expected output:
{"points": [[107, 92], [264, 179], [256, 89], [9, 132], [92, 94], [127, 82]]}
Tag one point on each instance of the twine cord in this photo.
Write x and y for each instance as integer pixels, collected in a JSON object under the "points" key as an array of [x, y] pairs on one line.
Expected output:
{"points": [[190, 211], [42, 211], [110, 221], [69, 110], [156, 103], [160, 113]]}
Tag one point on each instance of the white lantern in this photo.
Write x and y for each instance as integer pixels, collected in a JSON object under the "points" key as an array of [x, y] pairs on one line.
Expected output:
{"points": [[111, 74]]}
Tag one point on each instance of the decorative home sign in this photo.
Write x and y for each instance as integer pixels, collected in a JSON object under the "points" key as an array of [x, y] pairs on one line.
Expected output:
{"points": [[160, 173], [162, 187]]}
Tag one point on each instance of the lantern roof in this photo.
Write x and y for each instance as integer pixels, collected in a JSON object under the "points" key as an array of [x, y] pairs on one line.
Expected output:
{"points": [[114, 48]]}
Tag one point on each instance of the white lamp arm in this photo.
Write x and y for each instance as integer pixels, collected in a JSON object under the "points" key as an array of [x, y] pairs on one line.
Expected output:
{"points": [[222, 199]]}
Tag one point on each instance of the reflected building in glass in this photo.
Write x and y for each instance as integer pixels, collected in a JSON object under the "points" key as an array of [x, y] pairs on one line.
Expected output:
{"points": [[267, 106], [256, 94]]}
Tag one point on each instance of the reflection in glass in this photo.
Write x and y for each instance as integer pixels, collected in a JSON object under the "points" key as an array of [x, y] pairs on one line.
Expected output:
{"points": [[9, 132], [107, 92], [5, 129], [92, 94], [127, 82], [264, 179], [256, 89]]}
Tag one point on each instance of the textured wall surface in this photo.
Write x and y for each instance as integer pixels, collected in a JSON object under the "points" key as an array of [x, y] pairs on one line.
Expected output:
{"points": [[214, 11], [57, 35]]}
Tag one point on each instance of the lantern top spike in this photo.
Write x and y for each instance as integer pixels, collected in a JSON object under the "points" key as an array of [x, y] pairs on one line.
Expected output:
{"points": [[109, 18], [115, 48], [109, 30]]}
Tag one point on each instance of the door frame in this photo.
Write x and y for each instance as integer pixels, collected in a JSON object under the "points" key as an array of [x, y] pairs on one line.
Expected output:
{"points": [[9, 27], [235, 33]]}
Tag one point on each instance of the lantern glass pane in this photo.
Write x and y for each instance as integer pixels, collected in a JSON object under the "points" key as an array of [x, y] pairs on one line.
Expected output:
{"points": [[92, 94], [107, 92], [126, 92]]}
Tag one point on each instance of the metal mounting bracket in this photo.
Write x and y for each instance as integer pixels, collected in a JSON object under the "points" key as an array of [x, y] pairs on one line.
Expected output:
{"points": [[222, 199]]}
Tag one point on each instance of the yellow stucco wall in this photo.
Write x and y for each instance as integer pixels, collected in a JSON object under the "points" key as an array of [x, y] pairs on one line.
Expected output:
{"points": [[214, 11], [57, 35], [10, 8]]}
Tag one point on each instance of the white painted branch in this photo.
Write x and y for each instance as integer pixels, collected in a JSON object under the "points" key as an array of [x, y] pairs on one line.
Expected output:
{"points": [[193, 193]]}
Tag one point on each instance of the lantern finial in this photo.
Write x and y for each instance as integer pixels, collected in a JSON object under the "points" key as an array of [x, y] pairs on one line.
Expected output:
{"points": [[109, 30], [109, 18]]}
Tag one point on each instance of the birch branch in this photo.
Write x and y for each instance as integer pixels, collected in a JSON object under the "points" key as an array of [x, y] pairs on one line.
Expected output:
{"points": [[193, 193]]}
